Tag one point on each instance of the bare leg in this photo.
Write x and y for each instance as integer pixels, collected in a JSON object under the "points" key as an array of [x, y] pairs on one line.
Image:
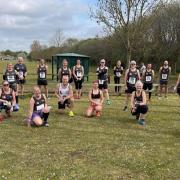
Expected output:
{"points": [[46, 91], [89, 111], [127, 99], [22, 89], [166, 91], [106, 94], [80, 93], [142, 116], [160, 90]]}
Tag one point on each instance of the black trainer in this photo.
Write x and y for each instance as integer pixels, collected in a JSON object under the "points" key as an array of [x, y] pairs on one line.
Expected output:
{"points": [[125, 108], [137, 116], [46, 124]]}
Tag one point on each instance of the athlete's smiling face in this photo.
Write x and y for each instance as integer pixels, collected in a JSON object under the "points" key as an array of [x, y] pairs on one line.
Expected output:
{"points": [[149, 66], [139, 86], [65, 63], [78, 62], [65, 80], [95, 85], [37, 92], [9, 67], [20, 60]]}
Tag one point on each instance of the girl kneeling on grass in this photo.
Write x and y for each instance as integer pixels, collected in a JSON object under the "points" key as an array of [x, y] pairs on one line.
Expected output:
{"points": [[138, 103], [7, 99], [38, 110], [96, 100]]}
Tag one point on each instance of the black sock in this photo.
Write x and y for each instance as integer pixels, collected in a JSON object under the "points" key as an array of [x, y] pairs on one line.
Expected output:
{"points": [[45, 116], [17, 100], [150, 95]]}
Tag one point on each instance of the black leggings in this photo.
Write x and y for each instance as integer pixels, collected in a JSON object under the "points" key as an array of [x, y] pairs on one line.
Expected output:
{"points": [[140, 109], [78, 84], [117, 81]]}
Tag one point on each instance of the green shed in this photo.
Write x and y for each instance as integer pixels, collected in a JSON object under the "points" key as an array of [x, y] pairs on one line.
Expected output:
{"points": [[71, 58]]}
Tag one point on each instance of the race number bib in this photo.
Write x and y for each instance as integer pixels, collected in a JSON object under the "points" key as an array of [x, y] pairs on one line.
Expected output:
{"points": [[164, 76], [21, 74], [148, 78], [101, 81], [10, 78], [118, 74], [132, 80], [42, 75], [40, 107], [79, 73]]}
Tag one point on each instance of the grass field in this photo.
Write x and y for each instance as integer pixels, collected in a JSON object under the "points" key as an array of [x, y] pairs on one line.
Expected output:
{"points": [[111, 147]]}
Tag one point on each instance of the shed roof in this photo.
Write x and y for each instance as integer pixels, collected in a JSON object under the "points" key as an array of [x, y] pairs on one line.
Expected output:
{"points": [[71, 55]]}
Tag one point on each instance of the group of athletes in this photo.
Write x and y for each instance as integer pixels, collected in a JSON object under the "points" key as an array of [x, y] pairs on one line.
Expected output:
{"points": [[137, 83]]}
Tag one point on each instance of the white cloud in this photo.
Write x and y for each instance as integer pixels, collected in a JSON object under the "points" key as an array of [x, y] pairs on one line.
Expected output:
{"points": [[22, 21]]}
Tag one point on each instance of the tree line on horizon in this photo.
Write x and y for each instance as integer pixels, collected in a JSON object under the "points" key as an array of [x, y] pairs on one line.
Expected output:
{"points": [[156, 40]]}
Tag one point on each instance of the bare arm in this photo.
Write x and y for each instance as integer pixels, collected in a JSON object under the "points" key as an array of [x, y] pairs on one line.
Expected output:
{"points": [[169, 70], [70, 73], [31, 106], [70, 92], [125, 77], [153, 74], [46, 68], [14, 98], [139, 77], [57, 92], [160, 69], [144, 98], [178, 81], [59, 74], [132, 100], [82, 71], [74, 72]]}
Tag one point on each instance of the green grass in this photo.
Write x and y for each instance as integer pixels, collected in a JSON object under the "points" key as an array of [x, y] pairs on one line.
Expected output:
{"points": [[111, 147]]}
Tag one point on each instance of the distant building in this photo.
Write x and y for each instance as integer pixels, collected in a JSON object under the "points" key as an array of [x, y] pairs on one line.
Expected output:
{"points": [[7, 58]]}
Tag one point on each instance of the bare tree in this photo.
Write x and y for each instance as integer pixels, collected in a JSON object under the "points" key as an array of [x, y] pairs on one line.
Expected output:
{"points": [[125, 16], [58, 38], [70, 42], [35, 46]]}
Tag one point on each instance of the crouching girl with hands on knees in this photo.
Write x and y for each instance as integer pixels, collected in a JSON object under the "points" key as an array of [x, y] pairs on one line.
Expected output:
{"points": [[138, 103]]}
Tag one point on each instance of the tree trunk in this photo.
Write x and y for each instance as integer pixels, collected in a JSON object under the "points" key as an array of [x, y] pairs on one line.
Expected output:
{"points": [[129, 51]]}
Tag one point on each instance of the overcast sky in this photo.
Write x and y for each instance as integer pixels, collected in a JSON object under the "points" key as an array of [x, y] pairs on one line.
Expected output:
{"points": [[22, 21]]}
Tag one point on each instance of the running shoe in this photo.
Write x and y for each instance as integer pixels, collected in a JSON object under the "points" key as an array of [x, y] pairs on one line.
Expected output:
{"points": [[16, 107], [137, 116], [46, 124], [108, 102], [125, 108], [71, 114], [141, 122], [159, 97], [98, 114]]}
